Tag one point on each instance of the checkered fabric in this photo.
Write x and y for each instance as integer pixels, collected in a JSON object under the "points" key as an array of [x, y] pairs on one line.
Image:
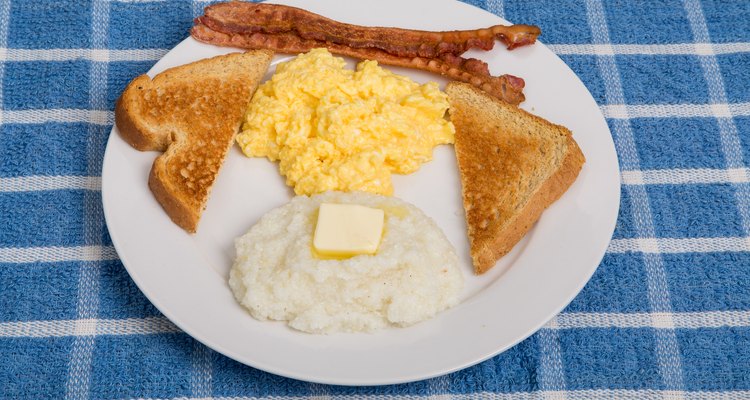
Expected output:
{"points": [[667, 314]]}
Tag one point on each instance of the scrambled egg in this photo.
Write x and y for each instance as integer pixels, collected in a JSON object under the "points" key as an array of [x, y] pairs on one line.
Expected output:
{"points": [[332, 128]]}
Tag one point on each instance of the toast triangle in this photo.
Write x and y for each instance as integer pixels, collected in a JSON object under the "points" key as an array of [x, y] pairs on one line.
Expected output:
{"points": [[513, 165], [191, 113]]}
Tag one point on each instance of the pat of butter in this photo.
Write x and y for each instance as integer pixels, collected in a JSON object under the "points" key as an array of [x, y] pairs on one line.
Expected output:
{"points": [[345, 230]]}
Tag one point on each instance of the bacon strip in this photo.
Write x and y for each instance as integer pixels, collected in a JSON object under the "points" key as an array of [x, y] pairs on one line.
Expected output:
{"points": [[246, 18], [473, 71]]}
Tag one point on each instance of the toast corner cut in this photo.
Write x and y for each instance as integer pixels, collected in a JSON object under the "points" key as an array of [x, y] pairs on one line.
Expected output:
{"points": [[513, 165], [191, 113]]}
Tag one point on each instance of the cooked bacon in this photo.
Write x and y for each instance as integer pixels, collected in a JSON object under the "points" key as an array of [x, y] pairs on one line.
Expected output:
{"points": [[238, 17], [473, 71]]}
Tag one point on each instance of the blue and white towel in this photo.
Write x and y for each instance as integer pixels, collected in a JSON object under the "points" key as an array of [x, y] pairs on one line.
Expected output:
{"points": [[667, 314]]}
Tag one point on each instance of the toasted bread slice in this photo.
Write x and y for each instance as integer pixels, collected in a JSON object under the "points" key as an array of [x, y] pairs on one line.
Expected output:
{"points": [[513, 165], [192, 113]]}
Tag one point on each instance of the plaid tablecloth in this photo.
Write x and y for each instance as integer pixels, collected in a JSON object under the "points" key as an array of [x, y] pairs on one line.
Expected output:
{"points": [[667, 314]]}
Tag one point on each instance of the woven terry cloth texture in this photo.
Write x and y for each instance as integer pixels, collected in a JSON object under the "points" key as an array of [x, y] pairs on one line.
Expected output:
{"points": [[667, 314]]}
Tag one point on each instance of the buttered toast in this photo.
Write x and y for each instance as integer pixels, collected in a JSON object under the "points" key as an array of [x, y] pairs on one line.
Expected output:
{"points": [[191, 113], [513, 165]]}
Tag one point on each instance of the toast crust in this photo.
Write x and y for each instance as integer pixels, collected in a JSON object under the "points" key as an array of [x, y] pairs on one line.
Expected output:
{"points": [[191, 113], [181, 214], [550, 191], [513, 165], [126, 121]]}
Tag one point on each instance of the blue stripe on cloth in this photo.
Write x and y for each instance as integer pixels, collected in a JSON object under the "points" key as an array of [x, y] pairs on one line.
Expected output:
{"points": [[612, 358], [743, 130], [44, 84], [695, 211], [201, 374], [625, 228], [716, 359], [43, 149], [49, 24], [736, 76], [496, 7], [728, 21], [42, 218], [119, 297], [4, 28], [551, 375], [106, 239], [154, 24], [645, 24], [476, 3], [617, 286], [666, 349], [513, 371], [717, 90], [120, 74], [585, 68], [54, 296], [34, 368], [163, 361], [645, 83], [706, 281], [96, 143], [82, 355], [231, 378], [425, 386], [668, 143], [546, 14]]}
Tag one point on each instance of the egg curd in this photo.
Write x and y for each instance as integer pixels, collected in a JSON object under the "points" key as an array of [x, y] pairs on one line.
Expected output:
{"points": [[332, 128]]}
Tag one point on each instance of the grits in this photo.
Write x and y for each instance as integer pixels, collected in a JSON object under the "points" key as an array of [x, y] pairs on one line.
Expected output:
{"points": [[413, 275]]}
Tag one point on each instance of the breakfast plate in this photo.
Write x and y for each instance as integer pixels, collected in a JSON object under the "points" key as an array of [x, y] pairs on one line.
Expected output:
{"points": [[185, 276]]}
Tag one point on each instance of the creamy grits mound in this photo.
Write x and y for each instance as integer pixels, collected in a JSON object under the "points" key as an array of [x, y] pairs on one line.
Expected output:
{"points": [[413, 275]]}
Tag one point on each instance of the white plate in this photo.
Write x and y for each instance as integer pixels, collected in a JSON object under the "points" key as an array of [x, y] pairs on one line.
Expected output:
{"points": [[184, 276]]}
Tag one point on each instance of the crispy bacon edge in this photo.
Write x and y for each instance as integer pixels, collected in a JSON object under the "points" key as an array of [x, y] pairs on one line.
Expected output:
{"points": [[239, 17], [506, 87]]}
